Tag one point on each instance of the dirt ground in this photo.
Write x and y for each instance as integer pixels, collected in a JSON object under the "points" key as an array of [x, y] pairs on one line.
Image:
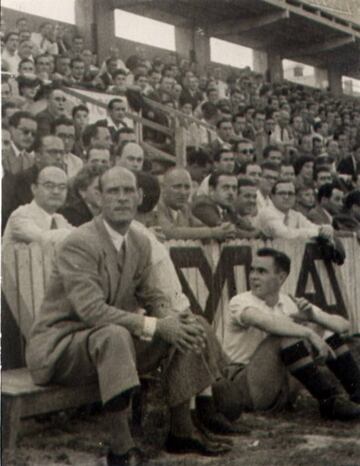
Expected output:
{"points": [[292, 438]]}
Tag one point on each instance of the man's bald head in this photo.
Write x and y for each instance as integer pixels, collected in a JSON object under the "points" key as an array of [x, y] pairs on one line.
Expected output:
{"points": [[120, 197], [176, 188]]}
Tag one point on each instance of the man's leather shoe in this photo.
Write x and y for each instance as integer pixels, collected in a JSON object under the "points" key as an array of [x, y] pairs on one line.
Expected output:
{"points": [[340, 409], [133, 457], [218, 424], [208, 434], [197, 443]]}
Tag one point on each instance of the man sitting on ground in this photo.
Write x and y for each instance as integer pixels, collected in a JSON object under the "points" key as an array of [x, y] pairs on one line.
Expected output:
{"points": [[270, 334], [38, 221]]}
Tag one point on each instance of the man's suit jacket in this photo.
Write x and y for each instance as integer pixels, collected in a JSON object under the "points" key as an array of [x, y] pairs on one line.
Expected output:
{"points": [[16, 163], [195, 98], [91, 285], [348, 166], [212, 215], [17, 191], [185, 218], [319, 216], [76, 212]]}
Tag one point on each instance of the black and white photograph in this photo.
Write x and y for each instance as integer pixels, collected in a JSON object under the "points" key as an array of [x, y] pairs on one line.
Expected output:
{"points": [[180, 221]]}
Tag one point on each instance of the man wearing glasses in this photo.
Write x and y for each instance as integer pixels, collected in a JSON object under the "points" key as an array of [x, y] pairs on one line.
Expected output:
{"points": [[244, 152], [19, 157], [38, 221], [281, 220]]}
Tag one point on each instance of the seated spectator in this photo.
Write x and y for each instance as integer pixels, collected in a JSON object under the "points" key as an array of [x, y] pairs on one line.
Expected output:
{"points": [[22, 127], [270, 335], [97, 135], [26, 67], [305, 200], [306, 145], [98, 156], [38, 221], [124, 135], [29, 86], [190, 92], [350, 165], [7, 110], [330, 199], [322, 175], [287, 172], [91, 70], [304, 171], [198, 165], [246, 209], [49, 151], [281, 220], [114, 54], [43, 68], [77, 72], [64, 129], [256, 132], [80, 116], [62, 68], [119, 87], [349, 219], [273, 153], [224, 132], [252, 171], [244, 152], [106, 78], [56, 108], [239, 125], [116, 118], [223, 162], [269, 176], [209, 116], [77, 46], [6, 91], [9, 52], [174, 213], [218, 206], [85, 204], [131, 156], [45, 39]]}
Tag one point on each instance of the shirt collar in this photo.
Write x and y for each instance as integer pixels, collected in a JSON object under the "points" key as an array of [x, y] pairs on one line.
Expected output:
{"points": [[116, 237], [16, 150], [48, 217]]}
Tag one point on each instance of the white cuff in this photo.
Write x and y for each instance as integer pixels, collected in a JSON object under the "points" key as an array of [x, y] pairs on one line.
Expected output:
{"points": [[149, 328]]}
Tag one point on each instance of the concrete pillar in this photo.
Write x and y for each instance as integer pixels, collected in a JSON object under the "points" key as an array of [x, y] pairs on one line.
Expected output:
{"points": [[321, 78], [275, 68], [334, 77], [192, 43], [86, 22], [105, 30], [260, 61]]}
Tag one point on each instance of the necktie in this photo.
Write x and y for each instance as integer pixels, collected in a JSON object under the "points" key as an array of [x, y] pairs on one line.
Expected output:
{"points": [[53, 225], [121, 256], [286, 219]]}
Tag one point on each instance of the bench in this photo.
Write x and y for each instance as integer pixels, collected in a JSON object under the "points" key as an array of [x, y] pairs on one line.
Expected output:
{"points": [[25, 273]]}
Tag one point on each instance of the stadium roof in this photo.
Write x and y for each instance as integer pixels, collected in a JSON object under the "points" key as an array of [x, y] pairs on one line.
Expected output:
{"points": [[306, 31]]}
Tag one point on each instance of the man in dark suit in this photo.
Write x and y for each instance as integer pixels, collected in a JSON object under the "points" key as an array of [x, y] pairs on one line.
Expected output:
{"points": [[350, 165], [218, 206], [116, 119], [56, 108], [101, 319], [330, 202]]}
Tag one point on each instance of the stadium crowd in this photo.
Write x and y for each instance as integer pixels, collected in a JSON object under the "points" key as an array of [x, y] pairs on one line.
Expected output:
{"points": [[262, 161]]}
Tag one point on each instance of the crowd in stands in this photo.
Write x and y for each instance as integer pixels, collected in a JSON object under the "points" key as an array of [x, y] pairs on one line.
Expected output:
{"points": [[263, 160]]}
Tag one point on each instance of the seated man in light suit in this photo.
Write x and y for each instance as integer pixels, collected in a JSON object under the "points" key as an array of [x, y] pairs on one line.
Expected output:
{"points": [[38, 221], [101, 319]]}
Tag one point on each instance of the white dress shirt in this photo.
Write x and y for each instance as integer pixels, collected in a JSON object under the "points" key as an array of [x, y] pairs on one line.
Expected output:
{"points": [[30, 223], [274, 224], [73, 164]]}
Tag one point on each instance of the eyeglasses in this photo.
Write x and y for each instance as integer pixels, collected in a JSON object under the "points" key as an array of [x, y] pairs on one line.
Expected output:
{"points": [[49, 186], [285, 193]]}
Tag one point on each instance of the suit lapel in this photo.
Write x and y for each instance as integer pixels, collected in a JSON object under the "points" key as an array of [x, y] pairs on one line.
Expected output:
{"points": [[110, 257]]}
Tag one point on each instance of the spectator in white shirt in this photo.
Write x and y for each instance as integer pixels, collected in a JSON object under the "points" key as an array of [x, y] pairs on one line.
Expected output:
{"points": [[45, 39], [64, 129], [9, 52], [269, 176], [38, 221], [281, 220]]}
